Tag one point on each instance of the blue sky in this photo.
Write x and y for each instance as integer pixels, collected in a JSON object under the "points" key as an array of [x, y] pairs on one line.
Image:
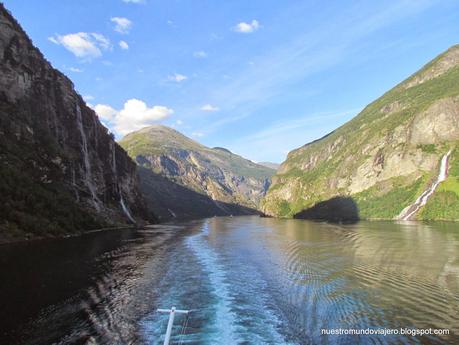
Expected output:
{"points": [[258, 77]]}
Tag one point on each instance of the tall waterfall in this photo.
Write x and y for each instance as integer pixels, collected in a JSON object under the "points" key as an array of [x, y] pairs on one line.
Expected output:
{"points": [[126, 210], [115, 176], [412, 209], [87, 176], [113, 152]]}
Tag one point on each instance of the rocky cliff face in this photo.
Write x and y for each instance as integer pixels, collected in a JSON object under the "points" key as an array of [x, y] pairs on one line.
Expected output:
{"points": [[61, 170], [230, 183], [387, 156]]}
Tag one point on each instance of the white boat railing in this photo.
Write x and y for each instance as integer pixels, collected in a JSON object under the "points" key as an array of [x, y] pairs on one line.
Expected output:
{"points": [[170, 323]]}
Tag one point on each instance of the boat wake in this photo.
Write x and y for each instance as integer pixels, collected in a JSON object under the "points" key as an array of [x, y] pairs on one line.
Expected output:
{"points": [[227, 297], [224, 321]]}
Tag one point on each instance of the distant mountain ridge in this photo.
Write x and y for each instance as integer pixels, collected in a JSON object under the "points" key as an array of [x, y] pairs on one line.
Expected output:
{"points": [[60, 169], [386, 157], [229, 183], [270, 165]]}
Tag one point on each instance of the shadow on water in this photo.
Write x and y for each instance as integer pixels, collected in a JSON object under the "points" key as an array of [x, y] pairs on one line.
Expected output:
{"points": [[87, 289], [336, 210]]}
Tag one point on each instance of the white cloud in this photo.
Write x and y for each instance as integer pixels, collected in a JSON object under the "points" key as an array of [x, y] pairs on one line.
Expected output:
{"points": [[122, 25], [200, 54], [215, 37], [134, 1], [209, 108], [197, 134], [123, 45], [134, 115], [105, 112], [301, 56], [172, 24], [75, 69], [88, 98], [247, 28], [177, 77], [179, 122], [83, 44]]}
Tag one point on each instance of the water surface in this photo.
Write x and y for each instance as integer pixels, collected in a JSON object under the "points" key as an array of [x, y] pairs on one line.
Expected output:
{"points": [[247, 280]]}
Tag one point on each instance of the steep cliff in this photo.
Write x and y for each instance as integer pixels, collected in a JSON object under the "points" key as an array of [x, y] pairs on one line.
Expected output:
{"points": [[385, 158], [216, 181], [60, 169]]}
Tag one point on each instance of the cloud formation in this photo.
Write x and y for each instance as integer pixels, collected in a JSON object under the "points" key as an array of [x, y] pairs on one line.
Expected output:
{"points": [[88, 98], [200, 54], [83, 44], [247, 28], [122, 25], [75, 69], [134, 1], [209, 108], [177, 77], [134, 115], [123, 45]]}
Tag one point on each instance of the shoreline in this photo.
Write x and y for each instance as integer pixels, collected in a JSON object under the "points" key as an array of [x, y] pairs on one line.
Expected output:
{"points": [[5, 239]]}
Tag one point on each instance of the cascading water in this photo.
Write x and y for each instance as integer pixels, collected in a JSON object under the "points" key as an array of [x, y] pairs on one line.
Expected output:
{"points": [[87, 176], [412, 209], [113, 152], [115, 176], [125, 210]]}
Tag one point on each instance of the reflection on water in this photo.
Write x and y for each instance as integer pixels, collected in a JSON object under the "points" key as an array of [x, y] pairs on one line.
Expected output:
{"points": [[247, 280]]}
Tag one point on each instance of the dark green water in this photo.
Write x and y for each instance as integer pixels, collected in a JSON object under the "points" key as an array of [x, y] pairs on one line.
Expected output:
{"points": [[248, 280]]}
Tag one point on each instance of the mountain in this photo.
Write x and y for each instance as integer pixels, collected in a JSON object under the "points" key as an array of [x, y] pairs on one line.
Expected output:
{"points": [[191, 179], [398, 158], [270, 165], [60, 169]]}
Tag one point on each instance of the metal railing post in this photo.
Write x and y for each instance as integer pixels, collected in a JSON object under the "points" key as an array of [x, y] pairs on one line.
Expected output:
{"points": [[170, 323]]}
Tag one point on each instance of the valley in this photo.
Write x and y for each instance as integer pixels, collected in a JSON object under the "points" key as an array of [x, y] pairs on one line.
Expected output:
{"points": [[142, 198]]}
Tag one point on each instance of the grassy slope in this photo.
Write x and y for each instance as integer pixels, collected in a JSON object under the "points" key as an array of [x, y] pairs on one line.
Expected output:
{"points": [[371, 123]]}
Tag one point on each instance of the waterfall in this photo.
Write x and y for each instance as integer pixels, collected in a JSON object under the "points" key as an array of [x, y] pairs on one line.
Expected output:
{"points": [[172, 213], [77, 195], [87, 166], [115, 176], [412, 209], [112, 149], [125, 210]]}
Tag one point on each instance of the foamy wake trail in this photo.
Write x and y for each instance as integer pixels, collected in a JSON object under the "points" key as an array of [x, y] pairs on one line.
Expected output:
{"points": [[241, 314], [224, 323]]}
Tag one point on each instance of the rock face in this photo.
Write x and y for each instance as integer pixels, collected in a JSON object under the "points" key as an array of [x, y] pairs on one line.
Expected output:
{"points": [[203, 181], [60, 169], [386, 156]]}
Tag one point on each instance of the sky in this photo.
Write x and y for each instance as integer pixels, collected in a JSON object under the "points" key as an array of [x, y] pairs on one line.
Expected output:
{"points": [[259, 77]]}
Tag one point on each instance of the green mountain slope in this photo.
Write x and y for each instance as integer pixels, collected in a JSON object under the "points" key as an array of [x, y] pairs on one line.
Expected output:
{"points": [[386, 156], [216, 173]]}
